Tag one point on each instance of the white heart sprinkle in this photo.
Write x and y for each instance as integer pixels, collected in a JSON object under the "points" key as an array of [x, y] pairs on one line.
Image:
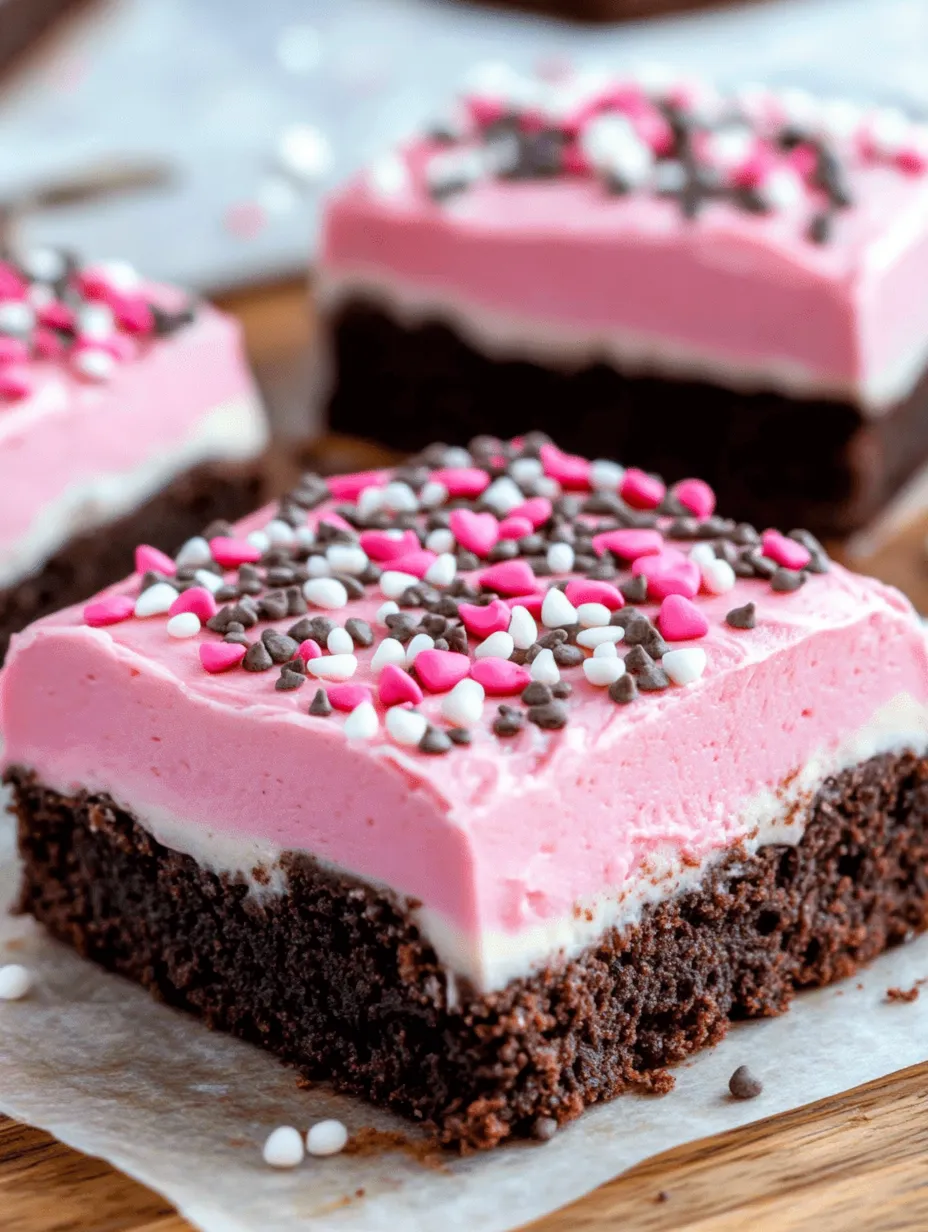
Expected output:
{"points": [[362, 723], [416, 645], [463, 706], [95, 321], [369, 502], [502, 496], [339, 641], [389, 651], [212, 581], [440, 540], [326, 1138], [560, 558], [456, 456], [386, 609], [399, 497], [543, 667], [406, 726], [284, 1147], [184, 624], [603, 671], [94, 363], [393, 583], [718, 577], [606, 476], [547, 485], [347, 558], [325, 592], [525, 470], [156, 600], [333, 667], [258, 539], [702, 554], [280, 533], [591, 638], [15, 982], [498, 645], [684, 666], [432, 495], [522, 627], [442, 571], [193, 554], [305, 536], [557, 610], [593, 615], [605, 650], [318, 566]]}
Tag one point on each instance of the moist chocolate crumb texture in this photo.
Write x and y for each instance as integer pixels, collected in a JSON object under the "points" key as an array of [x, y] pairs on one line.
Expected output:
{"points": [[487, 787], [114, 394], [749, 269]]}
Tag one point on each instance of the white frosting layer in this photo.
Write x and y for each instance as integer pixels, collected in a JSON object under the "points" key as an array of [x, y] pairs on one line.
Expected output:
{"points": [[233, 431], [491, 959]]}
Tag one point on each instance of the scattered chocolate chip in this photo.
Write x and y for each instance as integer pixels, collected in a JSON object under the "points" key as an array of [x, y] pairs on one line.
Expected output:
{"points": [[552, 639], [442, 644], [745, 534], [289, 679], [506, 549], [435, 740], [551, 716], [457, 639], [568, 656], [225, 593], [459, 735], [742, 617], [360, 631], [623, 690], [217, 529], [320, 706], [536, 694], [638, 660], [744, 1085], [562, 689], [634, 590], [466, 562], [321, 627], [279, 647], [301, 631], [762, 565], [508, 721], [652, 680], [654, 644], [273, 605], [296, 664], [784, 581], [237, 637], [257, 658], [820, 227]]}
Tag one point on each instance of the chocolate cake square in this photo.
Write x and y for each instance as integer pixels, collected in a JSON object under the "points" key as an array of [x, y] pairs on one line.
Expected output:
{"points": [[127, 415], [597, 255], [488, 787]]}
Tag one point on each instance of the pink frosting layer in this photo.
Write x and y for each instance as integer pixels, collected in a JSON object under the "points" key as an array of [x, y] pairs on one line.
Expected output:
{"points": [[69, 432], [746, 291], [502, 834]]}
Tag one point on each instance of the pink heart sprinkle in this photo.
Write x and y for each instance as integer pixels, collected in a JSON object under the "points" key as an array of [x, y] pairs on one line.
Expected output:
{"points": [[198, 600], [347, 696], [509, 577], [912, 159], [440, 670], [571, 471], [500, 677], [46, 344], [537, 509], [57, 315], [309, 650], [628, 544], [417, 564], [133, 314], [579, 590], [15, 383], [467, 481], [531, 603], [477, 532], [109, 611], [483, 620], [147, 557], [397, 687], [640, 490], [786, 552], [668, 573], [350, 487], [696, 496], [12, 285], [380, 545], [680, 619], [13, 351], [220, 656], [230, 553], [755, 168], [515, 527]]}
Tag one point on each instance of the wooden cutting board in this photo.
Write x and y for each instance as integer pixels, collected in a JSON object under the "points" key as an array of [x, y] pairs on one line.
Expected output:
{"points": [[858, 1161]]}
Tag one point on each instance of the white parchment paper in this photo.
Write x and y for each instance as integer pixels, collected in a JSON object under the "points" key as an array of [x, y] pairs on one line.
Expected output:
{"points": [[92, 1059]]}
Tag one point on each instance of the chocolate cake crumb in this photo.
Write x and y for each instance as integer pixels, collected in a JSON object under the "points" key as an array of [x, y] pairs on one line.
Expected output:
{"points": [[904, 995], [744, 1085]]}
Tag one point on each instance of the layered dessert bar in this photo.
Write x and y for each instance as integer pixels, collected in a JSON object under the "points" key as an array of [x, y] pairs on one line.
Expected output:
{"points": [[127, 416], [600, 254], [487, 787]]}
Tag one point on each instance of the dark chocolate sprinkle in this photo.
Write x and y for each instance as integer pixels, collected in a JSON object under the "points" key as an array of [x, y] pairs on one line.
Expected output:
{"points": [[654, 644], [744, 1085], [240, 639], [745, 534], [225, 593], [623, 690], [273, 605], [568, 656], [296, 604], [441, 644], [302, 630], [784, 581], [508, 721], [466, 562], [551, 716], [257, 657], [320, 706], [653, 680], [435, 740], [634, 590], [638, 660], [536, 694], [762, 565], [288, 680], [562, 689], [742, 617], [506, 549], [296, 665], [459, 735], [354, 588], [457, 639], [280, 648], [820, 227], [360, 631], [321, 627]]}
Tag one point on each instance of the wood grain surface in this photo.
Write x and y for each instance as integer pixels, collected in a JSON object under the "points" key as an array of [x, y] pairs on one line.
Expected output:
{"points": [[858, 1161]]}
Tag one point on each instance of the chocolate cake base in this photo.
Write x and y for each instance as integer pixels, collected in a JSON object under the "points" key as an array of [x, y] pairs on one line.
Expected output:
{"points": [[91, 561], [772, 460], [335, 977], [608, 10]]}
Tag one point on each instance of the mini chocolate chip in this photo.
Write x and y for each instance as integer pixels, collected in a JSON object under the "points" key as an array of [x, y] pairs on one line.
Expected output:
{"points": [[457, 639], [234, 627], [321, 627], [280, 575], [562, 689], [361, 632], [744, 1085], [554, 637], [354, 588], [442, 644], [226, 592], [745, 534], [762, 565], [370, 574], [602, 571], [550, 717], [433, 624], [296, 665], [742, 617], [151, 577], [257, 658], [786, 580], [412, 596], [435, 740], [568, 656], [219, 623], [240, 639], [638, 660], [245, 614], [296, 604], [301, 631], [544, 1128], [273, 605], [219, 529], [532, 545], [634, 590], [447, 607], [652, 680], [466, 562], [532, 653], [536, 694], [682, 528], [508, 721], [459, 735], [638, 628], [249, 580], [280, 648], [288, 680], [506, 549], [320, 706], [654, 644], [623, 690]]}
